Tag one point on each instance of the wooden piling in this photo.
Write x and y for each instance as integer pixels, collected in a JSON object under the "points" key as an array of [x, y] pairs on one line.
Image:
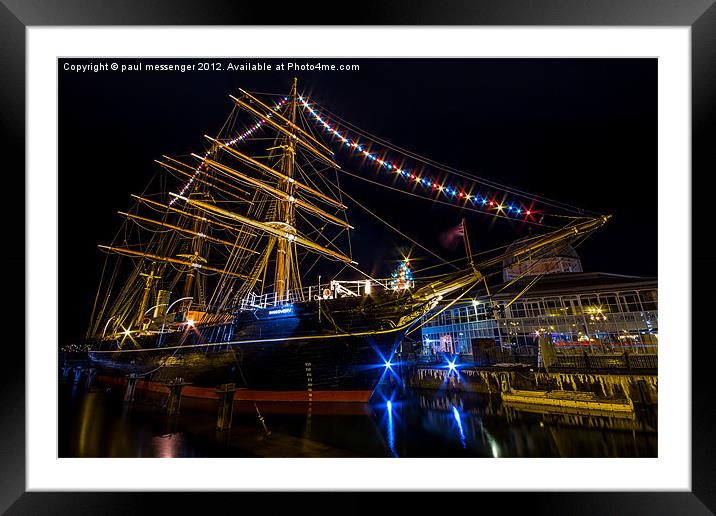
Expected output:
{"points": [[174, 399], [226, 406], [131, 387], [91, 373]]}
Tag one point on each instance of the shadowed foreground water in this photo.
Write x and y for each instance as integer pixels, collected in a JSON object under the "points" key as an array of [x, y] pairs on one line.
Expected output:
{"points": [[97, 423]]}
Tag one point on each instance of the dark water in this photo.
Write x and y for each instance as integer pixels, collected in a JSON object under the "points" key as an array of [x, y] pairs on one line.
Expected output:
{"points": [[96, 423]]}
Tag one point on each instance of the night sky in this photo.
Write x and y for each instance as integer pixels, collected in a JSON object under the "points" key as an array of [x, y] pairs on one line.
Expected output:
{"points": [[581, 131]]}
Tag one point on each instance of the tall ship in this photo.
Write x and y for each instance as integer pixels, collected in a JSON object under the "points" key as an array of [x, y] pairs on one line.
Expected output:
{"points": [[204, 281]]}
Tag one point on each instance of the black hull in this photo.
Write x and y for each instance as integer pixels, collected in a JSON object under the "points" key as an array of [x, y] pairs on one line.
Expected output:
{"points": [[304, 348], [342, 363]]}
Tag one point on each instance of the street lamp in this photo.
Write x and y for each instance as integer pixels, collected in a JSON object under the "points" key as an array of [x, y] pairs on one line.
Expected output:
{"points": [[475, 303]]}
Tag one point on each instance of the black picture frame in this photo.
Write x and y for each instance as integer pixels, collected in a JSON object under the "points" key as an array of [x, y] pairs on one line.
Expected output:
{"points": [[700, 15]]}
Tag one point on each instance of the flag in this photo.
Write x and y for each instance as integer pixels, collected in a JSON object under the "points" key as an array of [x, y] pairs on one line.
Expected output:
{"points": [[451, 238]]}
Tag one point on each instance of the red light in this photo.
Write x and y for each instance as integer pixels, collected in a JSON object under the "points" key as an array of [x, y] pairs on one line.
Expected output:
{"points": [[529, 212], [491, 203]]}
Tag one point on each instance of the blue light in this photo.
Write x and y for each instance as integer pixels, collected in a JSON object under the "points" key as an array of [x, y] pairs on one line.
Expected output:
{"points": [[391, 430], [452, 366], [388, 365], [456, 413]]}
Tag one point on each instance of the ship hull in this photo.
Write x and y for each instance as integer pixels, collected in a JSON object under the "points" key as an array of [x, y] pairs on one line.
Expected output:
{"points": [[302, 353], [243, 394], [294, 368]]}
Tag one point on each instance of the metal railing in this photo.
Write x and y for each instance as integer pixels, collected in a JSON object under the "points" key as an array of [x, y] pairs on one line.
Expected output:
{"points": [[331, 290], [584, 360], [578, 361]]}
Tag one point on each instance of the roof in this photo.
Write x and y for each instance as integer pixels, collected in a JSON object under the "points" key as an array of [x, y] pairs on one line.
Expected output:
{"points": [[573, 283], [557, 249]]}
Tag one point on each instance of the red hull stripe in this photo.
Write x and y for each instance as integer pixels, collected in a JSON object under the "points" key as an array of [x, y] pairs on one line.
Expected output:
{"points": [[191, 391]]}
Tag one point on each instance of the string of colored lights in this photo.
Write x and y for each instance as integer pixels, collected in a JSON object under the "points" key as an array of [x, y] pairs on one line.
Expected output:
{"points": [[454, 193], [467, 176], [251, 130]]}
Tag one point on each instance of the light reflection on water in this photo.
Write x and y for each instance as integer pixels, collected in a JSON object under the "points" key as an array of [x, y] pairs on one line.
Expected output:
{"points": [[456, 413], [390, 429], [396, 423], [168, 445]]}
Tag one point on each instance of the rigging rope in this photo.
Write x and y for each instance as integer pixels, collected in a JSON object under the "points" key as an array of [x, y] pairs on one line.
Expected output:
{"points": [[372, 213], [238, 138], [435, 164], [413, 194], [127, 296]]}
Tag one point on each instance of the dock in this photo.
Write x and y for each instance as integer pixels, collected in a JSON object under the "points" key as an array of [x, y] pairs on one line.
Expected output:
{"points": [[565, 400]]}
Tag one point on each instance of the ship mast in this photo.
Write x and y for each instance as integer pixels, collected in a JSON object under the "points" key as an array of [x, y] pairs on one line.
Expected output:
{"points": [[238, 212], [192, 280], [151, 276], [285, 207], [204, 221]]}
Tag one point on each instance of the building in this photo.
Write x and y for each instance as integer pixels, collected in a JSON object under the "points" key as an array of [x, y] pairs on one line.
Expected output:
{"points": [[572, 307], [560, 258]]}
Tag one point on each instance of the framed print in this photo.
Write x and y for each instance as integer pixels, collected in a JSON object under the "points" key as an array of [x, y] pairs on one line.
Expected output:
{"points": [[383, 257]]}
